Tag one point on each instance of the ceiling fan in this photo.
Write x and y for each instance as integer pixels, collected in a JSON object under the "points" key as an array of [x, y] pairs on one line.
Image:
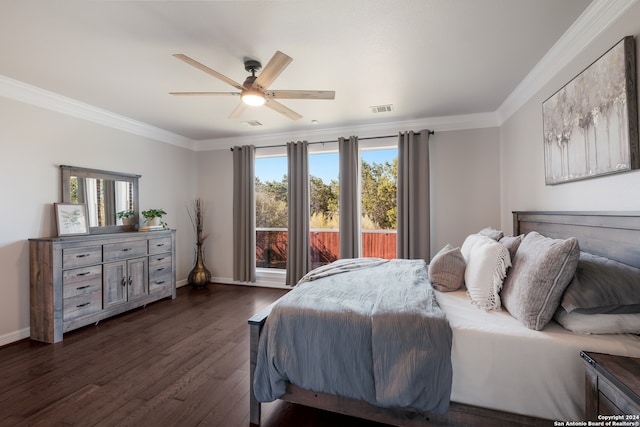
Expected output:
{"points": [[254, 91]]}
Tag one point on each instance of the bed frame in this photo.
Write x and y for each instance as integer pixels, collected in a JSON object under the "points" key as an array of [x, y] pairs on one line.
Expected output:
{"points": [[614, 235]]}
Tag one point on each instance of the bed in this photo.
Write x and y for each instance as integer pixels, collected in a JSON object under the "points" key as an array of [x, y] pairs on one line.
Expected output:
{"points": [[501, 369]]}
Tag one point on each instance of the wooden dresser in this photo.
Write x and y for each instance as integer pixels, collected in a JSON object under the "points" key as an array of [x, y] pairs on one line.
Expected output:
{"points": [[612, 387], [80, 280]]}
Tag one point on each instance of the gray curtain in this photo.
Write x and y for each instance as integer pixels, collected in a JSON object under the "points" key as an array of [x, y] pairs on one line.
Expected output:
{"points": [[109, 191], [349, 178], [298, 201], [413, 196], [244, 214]]}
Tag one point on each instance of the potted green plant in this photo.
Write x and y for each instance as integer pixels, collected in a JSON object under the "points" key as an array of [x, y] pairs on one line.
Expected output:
{"points": [[153, 217], [126, 216]]}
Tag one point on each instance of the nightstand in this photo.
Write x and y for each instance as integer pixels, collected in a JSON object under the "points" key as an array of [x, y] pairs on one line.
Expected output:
{"points": [[612, 385]]}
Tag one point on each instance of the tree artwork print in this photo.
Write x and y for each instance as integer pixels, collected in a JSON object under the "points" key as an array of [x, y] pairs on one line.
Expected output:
{"points": [[590, 125]]}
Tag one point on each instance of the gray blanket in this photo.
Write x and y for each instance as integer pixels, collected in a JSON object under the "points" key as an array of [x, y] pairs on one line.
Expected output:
{"points": [[375, 334]]}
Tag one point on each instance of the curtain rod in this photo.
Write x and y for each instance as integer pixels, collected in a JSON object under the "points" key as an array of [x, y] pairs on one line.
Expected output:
{"points": [[431, 132]]}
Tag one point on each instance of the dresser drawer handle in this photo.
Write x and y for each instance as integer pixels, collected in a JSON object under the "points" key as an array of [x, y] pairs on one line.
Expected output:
{"points": [[160, 282], [159, 259], [82, 305], [160, 244], [126, 249], [82, 255], [160, 269], [83, 274], [79, 288]]}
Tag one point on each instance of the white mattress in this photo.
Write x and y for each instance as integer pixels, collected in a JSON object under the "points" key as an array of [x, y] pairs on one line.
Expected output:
{"points": [[500, 364]]}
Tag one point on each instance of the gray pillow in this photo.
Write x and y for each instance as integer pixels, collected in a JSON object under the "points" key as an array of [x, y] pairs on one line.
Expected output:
{"points": [[602, 286], [492, 233], [446, 270], [542, 268], [512, 243]]}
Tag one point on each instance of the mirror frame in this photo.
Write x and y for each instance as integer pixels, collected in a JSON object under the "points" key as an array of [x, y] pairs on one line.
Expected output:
{"points": [[66, 172]]}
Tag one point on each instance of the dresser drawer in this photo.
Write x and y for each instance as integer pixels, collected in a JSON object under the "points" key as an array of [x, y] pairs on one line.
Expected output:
{"points": [[159, 260], [160, 273], [159, 268], [76, 257], [82, 305], [124, 250], [81, 281], [160, 282], [160, 245]]}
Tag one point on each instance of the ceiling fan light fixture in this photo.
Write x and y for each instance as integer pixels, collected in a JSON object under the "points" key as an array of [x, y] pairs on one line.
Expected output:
{"points": [[253, 97]]}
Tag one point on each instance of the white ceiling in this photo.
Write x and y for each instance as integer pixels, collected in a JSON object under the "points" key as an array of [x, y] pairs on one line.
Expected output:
{"points": [[429, 58]]}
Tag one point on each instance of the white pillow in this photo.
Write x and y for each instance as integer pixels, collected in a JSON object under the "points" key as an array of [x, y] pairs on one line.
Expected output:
{"points": [[487, 263], [598, 323]]}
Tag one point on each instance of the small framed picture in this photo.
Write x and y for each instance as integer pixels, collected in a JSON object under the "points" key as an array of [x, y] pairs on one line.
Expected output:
{"points": [[71, 219]]}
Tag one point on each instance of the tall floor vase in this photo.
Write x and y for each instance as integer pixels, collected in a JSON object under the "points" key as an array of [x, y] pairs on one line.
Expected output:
{"points": [[199, 277]]}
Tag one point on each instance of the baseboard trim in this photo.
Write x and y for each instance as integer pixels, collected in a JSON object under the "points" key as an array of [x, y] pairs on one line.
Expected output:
{"points": [[14, 336]]}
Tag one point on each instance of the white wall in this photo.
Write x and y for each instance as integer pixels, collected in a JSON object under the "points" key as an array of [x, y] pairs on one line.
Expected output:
{"points": [[33, 143], [215, 187], [522, 155], [465, 184]]}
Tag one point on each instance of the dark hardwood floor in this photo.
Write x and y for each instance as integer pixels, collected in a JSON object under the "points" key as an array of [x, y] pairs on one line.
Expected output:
{"points": [[181, 362]]}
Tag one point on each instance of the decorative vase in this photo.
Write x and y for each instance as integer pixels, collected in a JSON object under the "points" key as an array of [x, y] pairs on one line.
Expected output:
{"points": [[199, 276], [153, 222]]}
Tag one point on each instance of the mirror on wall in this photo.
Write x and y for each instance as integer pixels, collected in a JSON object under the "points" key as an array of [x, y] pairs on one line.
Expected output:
{"points": [[111, 197]]}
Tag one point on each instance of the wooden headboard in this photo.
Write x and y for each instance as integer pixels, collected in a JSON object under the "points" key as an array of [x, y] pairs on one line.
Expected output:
{"points": [[615, 235]]}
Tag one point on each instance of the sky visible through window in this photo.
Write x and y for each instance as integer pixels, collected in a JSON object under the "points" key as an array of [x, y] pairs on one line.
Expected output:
{"points": [[322, 165]]}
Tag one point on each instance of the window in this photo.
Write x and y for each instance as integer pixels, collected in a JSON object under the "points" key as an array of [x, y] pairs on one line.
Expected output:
{"points": [[323, 209], [378, 203], [379, 183], [271, 212]]}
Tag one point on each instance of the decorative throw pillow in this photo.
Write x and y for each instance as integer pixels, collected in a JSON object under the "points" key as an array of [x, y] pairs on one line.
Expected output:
{"points": [[446, 270], [512, 243], [487, 262], [492, 233], [598, 323], [602, 285], [542, 269]]}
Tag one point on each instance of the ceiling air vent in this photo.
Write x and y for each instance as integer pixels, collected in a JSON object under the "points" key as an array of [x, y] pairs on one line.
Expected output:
{"points": [[252, 123], [382, 108]]}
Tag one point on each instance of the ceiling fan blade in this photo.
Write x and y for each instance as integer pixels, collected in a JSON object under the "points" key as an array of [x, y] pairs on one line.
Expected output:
{"points": [[276, 106], [237, 112], [276, 65], [205, 93], [208, 70], [301, 94]]}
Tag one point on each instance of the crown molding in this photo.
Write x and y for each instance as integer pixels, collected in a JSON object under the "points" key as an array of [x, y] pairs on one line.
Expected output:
{"points": [[595, 19], [23, 92], [438, 124]]}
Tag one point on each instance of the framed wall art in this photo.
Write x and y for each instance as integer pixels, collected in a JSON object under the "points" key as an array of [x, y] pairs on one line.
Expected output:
{"points": [[71, 219], [590, 125]]}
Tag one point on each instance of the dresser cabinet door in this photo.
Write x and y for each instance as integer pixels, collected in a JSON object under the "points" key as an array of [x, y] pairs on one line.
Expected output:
{"points": [[125, 281], [138, 278], [114, 283]]}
